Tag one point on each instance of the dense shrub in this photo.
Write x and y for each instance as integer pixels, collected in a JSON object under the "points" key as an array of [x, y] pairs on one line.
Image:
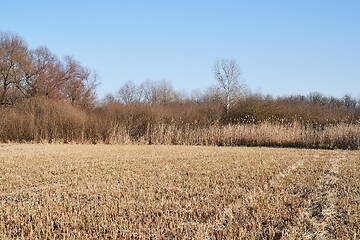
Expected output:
{"points": [[182, 123]]}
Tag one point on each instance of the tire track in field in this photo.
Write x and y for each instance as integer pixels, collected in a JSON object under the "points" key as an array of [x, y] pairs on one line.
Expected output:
{"points": [[276, 179], [270, 185], [227, 214], [322, 209]]}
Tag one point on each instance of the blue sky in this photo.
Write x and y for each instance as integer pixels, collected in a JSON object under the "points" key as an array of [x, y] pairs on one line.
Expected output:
{"points": [[282, 47]]}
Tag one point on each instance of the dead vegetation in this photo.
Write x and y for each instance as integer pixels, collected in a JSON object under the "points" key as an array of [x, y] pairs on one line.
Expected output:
{"points": [[47, 121], [177, 192]]}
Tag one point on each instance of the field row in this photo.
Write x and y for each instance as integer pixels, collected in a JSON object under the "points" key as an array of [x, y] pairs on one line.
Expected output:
{"points": [[177, 192]]}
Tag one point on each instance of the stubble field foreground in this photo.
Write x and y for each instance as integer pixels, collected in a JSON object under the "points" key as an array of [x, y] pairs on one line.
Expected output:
{"points": [[177, 192]]}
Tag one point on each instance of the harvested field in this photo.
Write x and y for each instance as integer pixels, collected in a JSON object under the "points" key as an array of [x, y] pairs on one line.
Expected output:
{"points": [[177, 192]]}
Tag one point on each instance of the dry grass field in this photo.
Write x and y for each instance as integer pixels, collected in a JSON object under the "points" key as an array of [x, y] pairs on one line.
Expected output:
{"points": [[177, 192]]}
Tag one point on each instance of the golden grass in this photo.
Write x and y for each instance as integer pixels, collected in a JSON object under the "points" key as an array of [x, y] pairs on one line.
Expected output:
{"points": [[48, 121], [177, 192], [341, 136]]}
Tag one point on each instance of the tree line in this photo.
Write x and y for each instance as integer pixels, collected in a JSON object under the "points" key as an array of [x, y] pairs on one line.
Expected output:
{"points": [[28, 73], [45, 98], [241, 106]]}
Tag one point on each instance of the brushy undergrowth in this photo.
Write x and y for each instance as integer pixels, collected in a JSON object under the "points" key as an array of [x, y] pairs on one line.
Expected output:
{"points": [[40, 120]]}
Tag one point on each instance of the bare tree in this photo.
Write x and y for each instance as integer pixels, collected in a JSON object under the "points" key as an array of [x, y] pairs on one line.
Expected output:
{"points": [[227, 75], [128, 93], [166, 93], [26, 73], [14, 56], [48, 76], [109, 99], [147, 91], [157, 92], [80, 84]]}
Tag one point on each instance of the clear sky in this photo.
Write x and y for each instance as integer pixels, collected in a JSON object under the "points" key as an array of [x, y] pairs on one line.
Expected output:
{"points": [[283, 47]]}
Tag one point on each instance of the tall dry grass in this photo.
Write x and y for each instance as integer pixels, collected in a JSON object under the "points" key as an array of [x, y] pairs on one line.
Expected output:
{"points": [[342, 136], [42, 120]]}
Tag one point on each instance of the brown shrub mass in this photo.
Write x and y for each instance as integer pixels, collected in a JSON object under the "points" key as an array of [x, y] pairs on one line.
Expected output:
{"points": [[45, 120]]}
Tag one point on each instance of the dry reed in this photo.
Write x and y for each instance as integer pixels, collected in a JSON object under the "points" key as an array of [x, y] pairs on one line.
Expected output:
{"points": [[40, 120]]}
